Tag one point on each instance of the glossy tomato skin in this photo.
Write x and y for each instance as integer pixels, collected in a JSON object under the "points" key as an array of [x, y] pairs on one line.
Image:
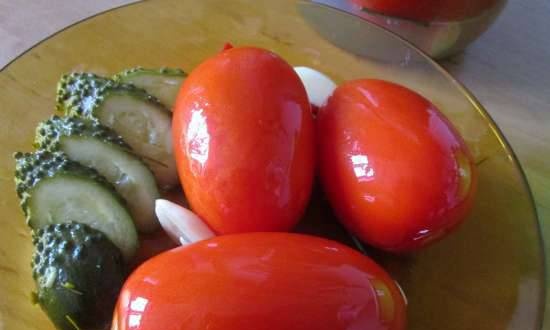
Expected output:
{"points": [[260, 281], [430, 10], [396, 172], [244, 142]]}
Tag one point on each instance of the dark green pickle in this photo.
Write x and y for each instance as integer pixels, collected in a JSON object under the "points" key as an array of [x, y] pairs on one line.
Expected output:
{"points": [[78, 273]]}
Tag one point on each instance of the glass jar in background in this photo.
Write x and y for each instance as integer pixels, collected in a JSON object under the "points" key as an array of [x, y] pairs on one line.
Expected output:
{"points": [[439, 27]]}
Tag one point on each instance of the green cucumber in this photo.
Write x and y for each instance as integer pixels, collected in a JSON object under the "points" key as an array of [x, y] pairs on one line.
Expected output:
{"points": [[78, 273], [139, 118], [54, 189], [96, 146], [163, 83]]}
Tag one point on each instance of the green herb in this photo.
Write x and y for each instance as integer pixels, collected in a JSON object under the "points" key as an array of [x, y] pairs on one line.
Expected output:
{"points": [[70, 286], [72, 322], [34, 298]]}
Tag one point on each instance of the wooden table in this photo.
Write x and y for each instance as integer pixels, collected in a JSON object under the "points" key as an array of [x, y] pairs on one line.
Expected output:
{"points": [[508, 69]]}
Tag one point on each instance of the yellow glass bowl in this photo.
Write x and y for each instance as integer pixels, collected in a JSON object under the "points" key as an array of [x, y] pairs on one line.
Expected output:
{"points": [[487, 275]]}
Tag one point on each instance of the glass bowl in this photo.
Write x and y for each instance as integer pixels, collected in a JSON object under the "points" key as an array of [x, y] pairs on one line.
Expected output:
{"points": [[487, 275], [440, 28]]}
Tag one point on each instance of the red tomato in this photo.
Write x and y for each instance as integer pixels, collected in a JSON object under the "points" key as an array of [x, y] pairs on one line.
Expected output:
{"points": [[430, 10], [260, 281], [396, 172], [243, 137]]}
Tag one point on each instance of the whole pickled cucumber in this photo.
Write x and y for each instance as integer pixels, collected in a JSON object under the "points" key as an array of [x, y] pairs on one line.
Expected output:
{"points": [[78, 273]]}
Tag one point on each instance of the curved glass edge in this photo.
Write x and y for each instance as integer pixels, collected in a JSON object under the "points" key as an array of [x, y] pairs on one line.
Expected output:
{"points": [[541, 318], [346, 6], [63, 30], [459, 85], [471, 24]]}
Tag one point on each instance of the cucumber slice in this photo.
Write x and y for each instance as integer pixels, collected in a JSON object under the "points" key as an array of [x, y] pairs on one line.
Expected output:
{"points": [[135, 115], [163, 83], [54, 189], [96, 146]]}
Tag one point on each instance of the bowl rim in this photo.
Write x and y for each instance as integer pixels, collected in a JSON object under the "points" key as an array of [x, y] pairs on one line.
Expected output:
{"points": [[495, 129]]}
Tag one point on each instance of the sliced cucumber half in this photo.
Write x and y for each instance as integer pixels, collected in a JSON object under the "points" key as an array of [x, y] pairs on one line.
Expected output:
{"points": [[94, 145], [135, 115], [163, 83], [54, 189]]}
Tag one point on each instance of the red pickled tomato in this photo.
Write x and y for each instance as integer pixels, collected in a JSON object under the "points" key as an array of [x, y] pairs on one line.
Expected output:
{"points": [[396, 172], [244, 142], [429, 10], [260, 281]]}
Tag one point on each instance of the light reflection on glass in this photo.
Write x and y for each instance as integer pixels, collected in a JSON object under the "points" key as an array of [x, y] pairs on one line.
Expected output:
{"points": [[198, 138], [384, 302], [361, 168], [464, 174]]}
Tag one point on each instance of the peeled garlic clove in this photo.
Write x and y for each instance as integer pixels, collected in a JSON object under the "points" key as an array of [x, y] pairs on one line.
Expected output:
{"points": [[182, 225], [318, 86]]}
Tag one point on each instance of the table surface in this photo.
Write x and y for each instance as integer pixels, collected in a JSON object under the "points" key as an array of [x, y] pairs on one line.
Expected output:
{"points": [[508, 69]]}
